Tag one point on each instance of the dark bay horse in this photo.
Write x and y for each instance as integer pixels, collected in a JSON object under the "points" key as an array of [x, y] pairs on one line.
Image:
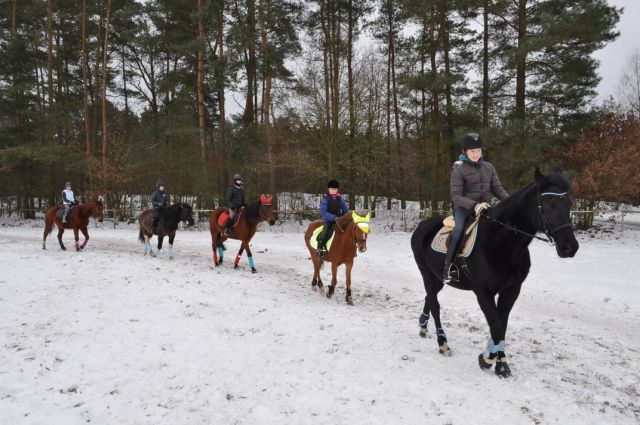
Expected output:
{"points": [[500, 260], [78, 221], [167, 226], [350, 236], [243, 230]]}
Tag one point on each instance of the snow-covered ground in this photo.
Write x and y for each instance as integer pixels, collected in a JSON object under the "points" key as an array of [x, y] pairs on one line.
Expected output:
{"points": [[107, 336]]}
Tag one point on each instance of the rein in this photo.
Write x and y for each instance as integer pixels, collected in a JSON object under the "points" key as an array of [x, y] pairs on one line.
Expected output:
{"points": [[549, 239]]}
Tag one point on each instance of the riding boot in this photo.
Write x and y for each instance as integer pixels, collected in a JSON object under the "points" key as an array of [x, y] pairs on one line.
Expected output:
{"points": [[322, 250], [227, 226], [450, 273]]}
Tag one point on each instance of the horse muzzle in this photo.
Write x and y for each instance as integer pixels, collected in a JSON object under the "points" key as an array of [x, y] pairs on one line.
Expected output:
{"points": [[362, 248], [567, 248]]}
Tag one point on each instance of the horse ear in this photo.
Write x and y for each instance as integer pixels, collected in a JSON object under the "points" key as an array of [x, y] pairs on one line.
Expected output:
{"points": [[354, 215], [538, 177], [368, 216]]}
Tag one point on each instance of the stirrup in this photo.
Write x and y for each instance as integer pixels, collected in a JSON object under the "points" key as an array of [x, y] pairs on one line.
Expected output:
{"points": [[451, 275]]}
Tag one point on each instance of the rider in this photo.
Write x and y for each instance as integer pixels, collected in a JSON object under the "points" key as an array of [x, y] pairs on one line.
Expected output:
{"points": [[68, 200], [473, 182], [159, 201], [331, 207], [235, 200]]}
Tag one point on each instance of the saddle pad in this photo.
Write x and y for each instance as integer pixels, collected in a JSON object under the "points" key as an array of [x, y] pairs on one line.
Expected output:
{"points": [[314, 238], [222, 219], [441, 239]]}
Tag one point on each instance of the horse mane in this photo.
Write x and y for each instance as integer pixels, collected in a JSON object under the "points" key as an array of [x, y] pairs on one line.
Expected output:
{"points": [[172, 212], [555, 182], [252, 211]]}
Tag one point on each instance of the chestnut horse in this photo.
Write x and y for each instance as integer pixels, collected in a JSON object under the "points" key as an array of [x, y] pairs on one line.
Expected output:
{"points": [[243, 229], [78, 221], [167, 226], [350, 236]]}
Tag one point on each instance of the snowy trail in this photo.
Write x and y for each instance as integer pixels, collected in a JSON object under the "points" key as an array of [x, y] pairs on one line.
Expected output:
{"points": [[109, 336]]}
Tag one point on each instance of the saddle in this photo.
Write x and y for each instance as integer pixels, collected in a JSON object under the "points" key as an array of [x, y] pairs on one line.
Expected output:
{"points": [[60, 211], [222, 219], [314, 238], [441, 240]]}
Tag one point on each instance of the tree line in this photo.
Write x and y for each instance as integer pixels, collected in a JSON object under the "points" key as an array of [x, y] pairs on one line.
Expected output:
{"points": [[115, 94]]}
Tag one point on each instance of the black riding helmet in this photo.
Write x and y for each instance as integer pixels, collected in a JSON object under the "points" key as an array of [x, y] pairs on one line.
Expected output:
{"points": [[472, 141], [333, 184]]}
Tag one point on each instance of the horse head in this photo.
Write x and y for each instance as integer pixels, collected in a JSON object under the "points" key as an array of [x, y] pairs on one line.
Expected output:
{"points": [[266, 209], [97, 211], [554, 212], [361, 230], [186, 214]]}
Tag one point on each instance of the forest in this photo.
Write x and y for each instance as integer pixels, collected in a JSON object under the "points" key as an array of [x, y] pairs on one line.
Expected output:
{"points": [[116, 94]]}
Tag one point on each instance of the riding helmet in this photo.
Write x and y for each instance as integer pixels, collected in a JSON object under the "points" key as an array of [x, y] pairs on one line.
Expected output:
{"points": [[472, 141], [237, 177], [333, 184]]}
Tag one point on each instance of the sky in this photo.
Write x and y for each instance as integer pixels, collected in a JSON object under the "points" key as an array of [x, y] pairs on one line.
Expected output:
{"points": [[613, 56]]}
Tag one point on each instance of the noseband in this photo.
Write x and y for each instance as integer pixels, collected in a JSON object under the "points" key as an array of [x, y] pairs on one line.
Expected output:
{"points": [[355, 239]]}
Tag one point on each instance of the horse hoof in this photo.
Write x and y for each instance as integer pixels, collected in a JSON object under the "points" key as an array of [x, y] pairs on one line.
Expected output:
{"points": [[485, 363], [329, 294], [423, 332], [349, 301], [444, 350], [171, 258], [219, 262], [235, 267], [502, 368], [253, 270]]}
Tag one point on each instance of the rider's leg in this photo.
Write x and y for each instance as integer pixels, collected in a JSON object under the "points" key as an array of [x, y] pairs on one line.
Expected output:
{"points": [[65, 216], [227, 226], [461, 216]]}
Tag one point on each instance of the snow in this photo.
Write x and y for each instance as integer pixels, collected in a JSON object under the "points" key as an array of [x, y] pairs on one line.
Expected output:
{"points": [[108, 336]]}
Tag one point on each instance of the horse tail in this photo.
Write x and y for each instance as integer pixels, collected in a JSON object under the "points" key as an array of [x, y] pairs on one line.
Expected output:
{"points": [[48, 223], [141, 236]]}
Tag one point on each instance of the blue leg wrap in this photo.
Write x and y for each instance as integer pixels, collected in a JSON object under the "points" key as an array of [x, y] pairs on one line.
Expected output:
{"points": [[220, 252], [424, 319], [170, 250], [250, 261], [440, 332], [493, 348], [146, 248]]}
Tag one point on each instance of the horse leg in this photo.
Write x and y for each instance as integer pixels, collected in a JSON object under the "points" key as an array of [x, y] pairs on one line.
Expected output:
{"points": [[348, 266], [76, 237], [316, 282], [172, 236], [490, 310], [60, 232], [249, 257], [160, 240], [238, 255], [85, 233], [334, 279], [147, 246], [506, 300]]}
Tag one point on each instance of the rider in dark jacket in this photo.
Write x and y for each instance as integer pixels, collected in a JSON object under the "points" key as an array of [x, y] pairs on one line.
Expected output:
{"points": [[159, 201], [331, 207], [235, 200], [473, 182], [69, 199]]}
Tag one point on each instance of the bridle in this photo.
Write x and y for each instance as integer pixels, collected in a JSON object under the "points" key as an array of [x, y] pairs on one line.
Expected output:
{"points": [[355, 238], [543, 220]]}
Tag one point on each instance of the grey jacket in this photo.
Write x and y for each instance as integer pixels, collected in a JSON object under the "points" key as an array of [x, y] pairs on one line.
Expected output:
{"points": [[472, 183], [158, 198], [235, 197]]}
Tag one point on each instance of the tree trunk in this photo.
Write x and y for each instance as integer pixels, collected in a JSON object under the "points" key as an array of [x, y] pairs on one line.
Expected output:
{"points": [[266, 99], [200, 81], [485, 65], [221, 58], [85, 82], [521, 67], [50, 71], [352, 111], [396, 112], [105, 78]]}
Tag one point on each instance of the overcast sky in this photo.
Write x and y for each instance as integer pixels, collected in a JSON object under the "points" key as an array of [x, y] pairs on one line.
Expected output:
{"points": [[614, 56]]}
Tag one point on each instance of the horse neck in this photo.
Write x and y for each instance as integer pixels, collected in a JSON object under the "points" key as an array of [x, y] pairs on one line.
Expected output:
{"points": [[85, 210], [519, 211]]}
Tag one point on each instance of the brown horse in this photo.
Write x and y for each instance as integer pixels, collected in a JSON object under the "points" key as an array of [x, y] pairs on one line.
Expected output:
{"points": [[243, 229], [350, 236], [167, 226], [78, 221]]}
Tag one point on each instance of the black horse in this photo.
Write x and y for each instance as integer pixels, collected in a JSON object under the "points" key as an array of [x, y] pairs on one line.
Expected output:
{"points": [[167, 226], [500, 259]]}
